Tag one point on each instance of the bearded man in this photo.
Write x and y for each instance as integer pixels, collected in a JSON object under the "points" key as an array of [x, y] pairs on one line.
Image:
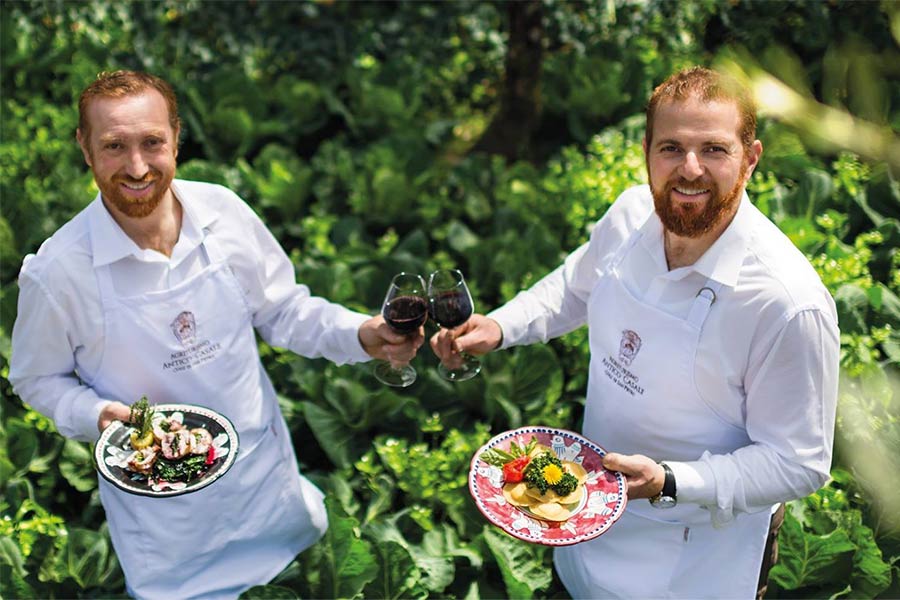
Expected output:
{"points": [[720, 404], [157, 270]]}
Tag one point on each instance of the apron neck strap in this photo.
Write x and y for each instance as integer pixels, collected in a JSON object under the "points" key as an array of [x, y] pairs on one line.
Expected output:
{"points": [[214, 252], [704, 300]]}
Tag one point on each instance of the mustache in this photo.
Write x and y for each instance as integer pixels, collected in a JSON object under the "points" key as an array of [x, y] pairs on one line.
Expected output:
{"points": [[151, 175], [695, 184]]}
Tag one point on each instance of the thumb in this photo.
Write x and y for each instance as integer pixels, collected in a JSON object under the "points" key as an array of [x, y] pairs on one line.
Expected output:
{"points": [[613, 461]]}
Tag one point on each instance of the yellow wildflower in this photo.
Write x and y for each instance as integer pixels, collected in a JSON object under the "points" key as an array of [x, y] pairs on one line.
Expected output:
{"points": [[552, 474]]}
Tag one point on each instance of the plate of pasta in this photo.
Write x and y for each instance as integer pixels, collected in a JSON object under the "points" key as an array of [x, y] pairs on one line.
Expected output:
{"points": [[166, 449], [546, 486]]}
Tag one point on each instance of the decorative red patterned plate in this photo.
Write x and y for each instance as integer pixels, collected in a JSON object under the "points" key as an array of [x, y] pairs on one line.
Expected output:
{"points": [[603, 503]]}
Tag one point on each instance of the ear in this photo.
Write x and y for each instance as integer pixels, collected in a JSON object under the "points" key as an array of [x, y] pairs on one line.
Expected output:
{"points": [[753, 158], [644, 144], [85, 146]]}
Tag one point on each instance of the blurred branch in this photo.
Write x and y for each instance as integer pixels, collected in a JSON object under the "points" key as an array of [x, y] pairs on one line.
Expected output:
{"points": [[823, 126]]}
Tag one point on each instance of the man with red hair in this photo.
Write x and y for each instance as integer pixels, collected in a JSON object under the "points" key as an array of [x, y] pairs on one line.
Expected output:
{"points": [[158, 288], [714, 358]]}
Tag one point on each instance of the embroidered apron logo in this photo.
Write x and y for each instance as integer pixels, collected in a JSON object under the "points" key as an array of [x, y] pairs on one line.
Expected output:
{"points": [[629, 346], [616, 370], [195, 353], [185, 328]]}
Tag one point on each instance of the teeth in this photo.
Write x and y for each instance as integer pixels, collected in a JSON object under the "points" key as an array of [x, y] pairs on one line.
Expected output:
{"points": [[137, 187], [690, 192]]}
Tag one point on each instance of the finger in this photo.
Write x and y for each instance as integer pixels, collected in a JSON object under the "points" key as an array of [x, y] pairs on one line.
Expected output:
{"points": [[442, 343], [390, 336], [453, 361], [417, 340], [479, 335]]}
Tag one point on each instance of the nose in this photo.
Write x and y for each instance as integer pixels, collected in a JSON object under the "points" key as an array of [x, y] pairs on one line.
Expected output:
{"points": [[137, 166], [691, 167]]}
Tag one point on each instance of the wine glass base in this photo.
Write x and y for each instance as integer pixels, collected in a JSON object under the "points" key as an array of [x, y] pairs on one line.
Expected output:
{"points": [[400, 377], [470, 368]]}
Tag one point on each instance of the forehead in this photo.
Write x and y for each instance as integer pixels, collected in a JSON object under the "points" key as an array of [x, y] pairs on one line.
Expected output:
{"points": [[713, 120], [128, 115]]}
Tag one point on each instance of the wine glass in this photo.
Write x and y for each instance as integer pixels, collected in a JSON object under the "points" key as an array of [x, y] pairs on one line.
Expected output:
{"points": [[405, 309], [450, 305]]}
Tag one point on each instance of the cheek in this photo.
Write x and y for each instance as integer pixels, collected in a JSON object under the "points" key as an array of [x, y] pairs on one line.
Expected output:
{"points": [[658, 172]]}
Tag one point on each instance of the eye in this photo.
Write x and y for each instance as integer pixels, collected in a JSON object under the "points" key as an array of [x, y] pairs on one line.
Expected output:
{"points": [[669, 148], [112, 146], [153, 142], [715, 149]]}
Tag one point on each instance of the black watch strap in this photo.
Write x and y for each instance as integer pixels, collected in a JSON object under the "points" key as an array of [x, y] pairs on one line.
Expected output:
{"points": [[669, 483]]}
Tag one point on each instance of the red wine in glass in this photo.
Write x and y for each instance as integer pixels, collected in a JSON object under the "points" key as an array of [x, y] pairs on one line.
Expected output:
{"points": [[450, 305], [405, 314], [405, 309], [451, 309]]}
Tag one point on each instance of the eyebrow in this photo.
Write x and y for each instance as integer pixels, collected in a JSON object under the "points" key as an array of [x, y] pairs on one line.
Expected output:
{"points": [[712, 142], [116, 137]]}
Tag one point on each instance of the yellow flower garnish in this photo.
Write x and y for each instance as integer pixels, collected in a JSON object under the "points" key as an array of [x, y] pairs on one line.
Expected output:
{"points": [[552, 474]]}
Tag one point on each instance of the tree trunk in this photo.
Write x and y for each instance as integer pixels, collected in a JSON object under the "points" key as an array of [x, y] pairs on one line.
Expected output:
{"points": [[510, 132]]}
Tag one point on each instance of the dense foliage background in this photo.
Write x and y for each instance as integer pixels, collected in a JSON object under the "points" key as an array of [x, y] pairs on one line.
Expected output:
{"points": [[375, 137]]}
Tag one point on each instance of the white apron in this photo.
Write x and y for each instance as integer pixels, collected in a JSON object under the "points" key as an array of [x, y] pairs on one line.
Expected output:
{"points": [[642, 399], [242, 530]]}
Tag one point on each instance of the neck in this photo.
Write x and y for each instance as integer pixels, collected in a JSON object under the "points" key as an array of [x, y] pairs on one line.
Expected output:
{"points": [[684, 251], [157, 231]]}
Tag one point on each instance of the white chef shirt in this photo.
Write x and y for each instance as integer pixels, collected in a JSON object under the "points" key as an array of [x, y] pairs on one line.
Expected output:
{"points": [[58, 336], [768, 354]]}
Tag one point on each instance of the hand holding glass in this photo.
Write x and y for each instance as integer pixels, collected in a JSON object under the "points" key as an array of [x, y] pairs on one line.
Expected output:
{"points": [[450, 305], [405, 309]]}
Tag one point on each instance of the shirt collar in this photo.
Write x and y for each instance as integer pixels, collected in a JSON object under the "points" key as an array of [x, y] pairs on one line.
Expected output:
{"points": [[722, 261], [109, 243]]}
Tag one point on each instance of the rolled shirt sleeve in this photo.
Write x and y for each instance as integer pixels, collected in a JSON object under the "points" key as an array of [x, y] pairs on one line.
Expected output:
{"points": [[42, 365], [791, 404]]}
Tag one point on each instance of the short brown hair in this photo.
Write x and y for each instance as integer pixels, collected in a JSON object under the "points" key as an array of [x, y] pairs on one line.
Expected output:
{"points": [[119, 84], [706, 85]]}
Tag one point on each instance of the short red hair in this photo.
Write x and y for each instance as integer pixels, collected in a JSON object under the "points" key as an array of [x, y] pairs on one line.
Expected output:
{"points": [[119, 84], [706, 85]]}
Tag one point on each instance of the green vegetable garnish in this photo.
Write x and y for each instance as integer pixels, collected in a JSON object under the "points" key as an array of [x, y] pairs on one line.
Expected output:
{"points": [[535, 475], [498, 458], [142, 418], [184, 469]]}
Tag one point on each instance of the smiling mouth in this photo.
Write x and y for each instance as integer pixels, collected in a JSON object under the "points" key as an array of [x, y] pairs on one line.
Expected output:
{"points": [[691, 191], [137, 187]]}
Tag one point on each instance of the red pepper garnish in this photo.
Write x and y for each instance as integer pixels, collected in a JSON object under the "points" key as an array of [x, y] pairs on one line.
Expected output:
{"points": [[210, 455], [514, 471]]}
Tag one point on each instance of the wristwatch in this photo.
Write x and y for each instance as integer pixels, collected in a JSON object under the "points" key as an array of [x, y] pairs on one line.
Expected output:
{"points": [[666, 497]]}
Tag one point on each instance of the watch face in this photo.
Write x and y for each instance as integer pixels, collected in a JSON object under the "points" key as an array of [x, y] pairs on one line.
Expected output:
{"points": [[662, 502]]}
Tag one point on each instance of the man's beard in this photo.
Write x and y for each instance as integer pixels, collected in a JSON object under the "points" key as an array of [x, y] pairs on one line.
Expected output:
{"points": [[686, 220], [135, 208]]}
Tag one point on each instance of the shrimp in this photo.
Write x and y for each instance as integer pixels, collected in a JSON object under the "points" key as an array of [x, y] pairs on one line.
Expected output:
{"points": [[142, 460], [176, 444], [201, 440]]}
